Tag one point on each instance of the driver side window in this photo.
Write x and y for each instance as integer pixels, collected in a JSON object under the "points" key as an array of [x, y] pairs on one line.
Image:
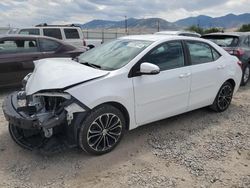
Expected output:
{"points": [[167, 56]]}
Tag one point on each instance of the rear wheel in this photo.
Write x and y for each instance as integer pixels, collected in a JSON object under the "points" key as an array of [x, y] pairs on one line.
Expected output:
{"points": [[245, 75], [102, 130], [223, 98], [27, 139]]}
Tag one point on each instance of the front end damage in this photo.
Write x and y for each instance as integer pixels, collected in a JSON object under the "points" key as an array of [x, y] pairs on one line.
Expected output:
{"points": [[44, 120]]}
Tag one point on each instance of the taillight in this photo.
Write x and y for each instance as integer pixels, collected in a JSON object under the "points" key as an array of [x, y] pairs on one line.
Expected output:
{"points": [[240, 64], [84, 42], [239, 52]]}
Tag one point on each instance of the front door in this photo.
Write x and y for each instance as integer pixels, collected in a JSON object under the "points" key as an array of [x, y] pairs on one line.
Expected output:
{"points": [[167, 93]]}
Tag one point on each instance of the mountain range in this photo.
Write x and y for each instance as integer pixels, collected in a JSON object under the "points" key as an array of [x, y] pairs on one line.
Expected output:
{"points": [[227, 21]]}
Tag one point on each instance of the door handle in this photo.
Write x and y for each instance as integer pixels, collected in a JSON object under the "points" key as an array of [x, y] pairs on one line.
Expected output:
{"points": [[185, 75], [221, 66]]}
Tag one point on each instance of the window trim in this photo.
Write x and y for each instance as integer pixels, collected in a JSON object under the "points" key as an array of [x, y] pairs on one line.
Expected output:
{"points": [[39, 32], [189, 56], [54, 51], [22, 52], [133, 71], [61, 33], [65, 33]]}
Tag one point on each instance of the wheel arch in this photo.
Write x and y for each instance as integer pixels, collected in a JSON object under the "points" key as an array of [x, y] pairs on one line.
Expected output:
{"points": [[231, 81], [122, 108]]}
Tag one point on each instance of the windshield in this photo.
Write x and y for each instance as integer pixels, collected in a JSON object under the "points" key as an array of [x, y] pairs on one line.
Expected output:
{"points": [[223, 41], [115, 54]]}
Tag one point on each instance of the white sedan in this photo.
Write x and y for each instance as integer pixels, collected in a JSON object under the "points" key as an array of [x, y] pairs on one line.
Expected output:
{"points": [[90, 101]]}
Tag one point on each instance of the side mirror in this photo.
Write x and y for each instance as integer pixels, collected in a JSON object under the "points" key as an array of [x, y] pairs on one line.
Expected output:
{"points": [[149, 68]]}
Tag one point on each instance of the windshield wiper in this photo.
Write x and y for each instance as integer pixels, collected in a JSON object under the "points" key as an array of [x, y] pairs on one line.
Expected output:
{"points": [[76, 59], [91, 65]]}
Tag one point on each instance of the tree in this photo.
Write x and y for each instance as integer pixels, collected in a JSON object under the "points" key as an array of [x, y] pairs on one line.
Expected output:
{"points": [[244, 28], [202, 31], [196, 29], [213, 30]]}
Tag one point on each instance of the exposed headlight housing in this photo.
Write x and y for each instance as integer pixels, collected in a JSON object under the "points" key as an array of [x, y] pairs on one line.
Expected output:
{"points": [[25, 79]]}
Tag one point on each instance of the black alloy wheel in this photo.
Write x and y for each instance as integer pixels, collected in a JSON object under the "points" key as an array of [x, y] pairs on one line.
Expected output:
{"points": [[223, 98], [245, 75], [102, 130]]}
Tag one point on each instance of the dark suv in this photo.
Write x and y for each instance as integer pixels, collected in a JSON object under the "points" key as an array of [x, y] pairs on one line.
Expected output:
{"points": [[238, 44]]}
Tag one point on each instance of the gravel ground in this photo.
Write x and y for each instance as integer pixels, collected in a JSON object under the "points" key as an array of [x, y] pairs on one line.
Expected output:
{"points": [[199, 149]]}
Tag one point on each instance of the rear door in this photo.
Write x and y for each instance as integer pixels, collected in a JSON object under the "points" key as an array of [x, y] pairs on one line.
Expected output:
{"points": [[207, 72], [49, 48], [16, 59]]}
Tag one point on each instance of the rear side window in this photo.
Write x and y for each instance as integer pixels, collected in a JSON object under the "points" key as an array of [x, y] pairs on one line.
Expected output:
{"points": [[167, 56], [216, 55], [48, 45], [71, 33], [199, 52], [29, 32], [18, 46], [55, 33], [223, 40], [247, 41]]}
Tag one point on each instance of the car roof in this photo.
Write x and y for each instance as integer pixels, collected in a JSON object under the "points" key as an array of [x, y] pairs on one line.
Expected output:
{"points": [[155, 38], [18, 36], [175, 32], [236, 34], [50, 27]]}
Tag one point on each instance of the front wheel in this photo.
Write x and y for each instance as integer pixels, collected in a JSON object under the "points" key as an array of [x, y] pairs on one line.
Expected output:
{"points": [[245, 75], [102, 130], [223, 98]]}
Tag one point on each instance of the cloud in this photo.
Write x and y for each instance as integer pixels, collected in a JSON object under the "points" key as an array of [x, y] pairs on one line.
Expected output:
{"points": [[31, 12]]}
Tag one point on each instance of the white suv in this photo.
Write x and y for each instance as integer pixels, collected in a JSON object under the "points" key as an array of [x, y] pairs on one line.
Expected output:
{"points": [[134, 80], [70, 34]]}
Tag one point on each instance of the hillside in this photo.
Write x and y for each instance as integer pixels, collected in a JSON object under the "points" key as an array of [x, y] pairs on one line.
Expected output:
{"points": [[227, 21]]}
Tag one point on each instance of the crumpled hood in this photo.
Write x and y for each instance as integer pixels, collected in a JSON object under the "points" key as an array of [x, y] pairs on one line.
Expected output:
{"points": [[58, 73]]}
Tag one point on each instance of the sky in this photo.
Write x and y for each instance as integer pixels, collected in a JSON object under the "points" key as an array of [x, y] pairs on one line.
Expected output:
{"points": [[20, 13]]}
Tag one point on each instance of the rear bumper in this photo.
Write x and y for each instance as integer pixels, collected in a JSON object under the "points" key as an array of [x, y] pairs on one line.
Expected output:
{"points": [[15, 116]]}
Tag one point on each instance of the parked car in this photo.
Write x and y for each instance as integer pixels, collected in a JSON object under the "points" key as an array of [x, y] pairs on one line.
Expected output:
{"points": [[119, 86], [237, 44], [180, 33], [18, 52], [71, 34]]}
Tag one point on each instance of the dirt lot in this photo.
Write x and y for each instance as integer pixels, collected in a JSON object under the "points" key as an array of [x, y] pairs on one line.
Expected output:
{"points": [[197, 149]]}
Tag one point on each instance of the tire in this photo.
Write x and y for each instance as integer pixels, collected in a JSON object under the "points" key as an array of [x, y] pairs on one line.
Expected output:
{"points": [[27, 139], [101, 131], [223, 98], [245, 75]]}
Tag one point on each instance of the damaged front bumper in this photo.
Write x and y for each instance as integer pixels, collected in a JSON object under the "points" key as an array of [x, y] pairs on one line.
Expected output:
{"points": [[50, 113], [16, 115], [26, 117]]}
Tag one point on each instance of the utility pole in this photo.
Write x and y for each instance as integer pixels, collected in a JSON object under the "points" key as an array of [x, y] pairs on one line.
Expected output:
{"points": [[126, 25], [158, 25]]}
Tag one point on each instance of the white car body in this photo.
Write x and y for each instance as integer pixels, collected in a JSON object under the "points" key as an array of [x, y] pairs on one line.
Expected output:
{"points": [[146, 98], [180, 33]]}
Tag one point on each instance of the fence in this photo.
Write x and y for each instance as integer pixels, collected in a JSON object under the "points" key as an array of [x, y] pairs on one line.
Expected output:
{"points": [[106, 35], [4, 30]]}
